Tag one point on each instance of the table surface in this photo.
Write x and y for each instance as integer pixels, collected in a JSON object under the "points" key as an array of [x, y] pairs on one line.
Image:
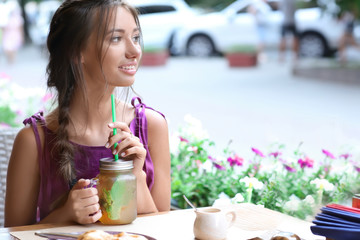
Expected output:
{"points": [[251, 221]]}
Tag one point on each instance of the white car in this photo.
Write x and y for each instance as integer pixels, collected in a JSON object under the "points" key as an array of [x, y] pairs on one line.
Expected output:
{"points": [[159, 20], [212, 33]]}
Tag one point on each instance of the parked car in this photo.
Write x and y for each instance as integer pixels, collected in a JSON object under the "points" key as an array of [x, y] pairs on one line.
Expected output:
{"points": [[212, 33], [159, 20]]}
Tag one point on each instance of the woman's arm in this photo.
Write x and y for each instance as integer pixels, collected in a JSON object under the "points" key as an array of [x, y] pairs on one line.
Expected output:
{"points": [[23, 181], [22, 184], [158, 140]]}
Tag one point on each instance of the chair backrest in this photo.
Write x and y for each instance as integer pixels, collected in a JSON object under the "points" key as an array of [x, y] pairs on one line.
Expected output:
{"points": [[7, 137]]}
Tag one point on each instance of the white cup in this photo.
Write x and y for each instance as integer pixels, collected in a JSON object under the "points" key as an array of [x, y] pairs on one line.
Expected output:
{"points": [[212, 223]]}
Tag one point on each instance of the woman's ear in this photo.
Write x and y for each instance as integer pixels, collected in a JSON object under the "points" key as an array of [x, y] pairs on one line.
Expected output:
{"points": [[82, 59]]}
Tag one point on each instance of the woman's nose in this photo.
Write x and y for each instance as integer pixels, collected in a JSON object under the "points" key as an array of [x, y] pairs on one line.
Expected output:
{"points": [[133, 50]]}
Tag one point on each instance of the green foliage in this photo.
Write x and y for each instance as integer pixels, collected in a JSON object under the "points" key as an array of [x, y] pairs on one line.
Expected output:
{"points": [[288, 182], [18, 103], [154, 49], [349, 6], [7, 116], [250, 48], [210, 4]]}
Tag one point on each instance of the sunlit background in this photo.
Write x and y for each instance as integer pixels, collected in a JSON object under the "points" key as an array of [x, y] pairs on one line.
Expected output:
{"points": [[311, 100]]}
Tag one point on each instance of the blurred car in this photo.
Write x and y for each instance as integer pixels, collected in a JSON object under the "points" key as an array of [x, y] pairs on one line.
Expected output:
{"points": [[212, 33], [159, 20]]}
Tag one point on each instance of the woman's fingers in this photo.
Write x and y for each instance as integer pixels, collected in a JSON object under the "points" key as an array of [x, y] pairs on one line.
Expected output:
{"points": [[81, 184], [84, 203], [90, 200], [92, 218], [89, 214], [120, 126], [122, 133], [84, 192], [139, 151], [130, 142]]}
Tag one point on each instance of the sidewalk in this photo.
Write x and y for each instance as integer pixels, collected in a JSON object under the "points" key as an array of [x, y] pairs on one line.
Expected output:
{"points": [[329, 70]]}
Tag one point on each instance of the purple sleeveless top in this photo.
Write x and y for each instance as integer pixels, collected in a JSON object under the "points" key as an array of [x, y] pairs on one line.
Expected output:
{"points": [[52, 186]]}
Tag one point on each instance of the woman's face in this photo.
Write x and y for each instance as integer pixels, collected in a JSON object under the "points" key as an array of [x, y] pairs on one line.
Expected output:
{"points": [[121, 53]]}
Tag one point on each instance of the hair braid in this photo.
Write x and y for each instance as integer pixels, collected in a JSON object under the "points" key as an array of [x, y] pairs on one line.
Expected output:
{"points": [[64, 148]]}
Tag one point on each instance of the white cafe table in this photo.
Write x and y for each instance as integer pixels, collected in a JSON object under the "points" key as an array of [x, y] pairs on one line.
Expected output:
{"points": [[251, 221]]}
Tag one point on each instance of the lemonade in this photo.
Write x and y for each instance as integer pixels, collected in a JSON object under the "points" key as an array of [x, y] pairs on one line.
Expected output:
{"points": [[117, 191]]}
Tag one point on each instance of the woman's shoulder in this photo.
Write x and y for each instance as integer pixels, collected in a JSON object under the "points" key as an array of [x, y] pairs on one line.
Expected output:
{"points": [[154, 116], [26, 134], [31, 132], [25, 142], [156, 122], [37, 126]]}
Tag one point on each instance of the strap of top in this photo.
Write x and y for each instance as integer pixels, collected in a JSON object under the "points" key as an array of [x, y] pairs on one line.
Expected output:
{"points": [[140, 130], [141, 106], [33, 120]]}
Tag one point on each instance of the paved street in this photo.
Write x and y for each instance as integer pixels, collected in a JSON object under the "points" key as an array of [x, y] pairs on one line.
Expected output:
{"points": [[253, 107]]}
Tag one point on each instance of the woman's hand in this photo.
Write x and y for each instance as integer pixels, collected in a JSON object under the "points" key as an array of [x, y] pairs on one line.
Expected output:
{"points": [[82, 204], [129, 146]]}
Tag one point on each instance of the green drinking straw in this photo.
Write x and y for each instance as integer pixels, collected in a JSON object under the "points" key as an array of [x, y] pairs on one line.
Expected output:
{"points": [[114, 120]]}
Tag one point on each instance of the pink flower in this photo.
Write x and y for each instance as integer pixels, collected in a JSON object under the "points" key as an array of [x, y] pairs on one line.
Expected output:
{"points": [[258, 152], [4, 125], [183, 139], [216, 164], [289, 168], [256, 167], [236, 160], [198, 163], [220, 167], [282, 160], [46, 97], [345, 156], [307, 162], [328, 154], [327, 169], [193, 149], [275, 154], [356, 165], [212, 158], [4, 75]]}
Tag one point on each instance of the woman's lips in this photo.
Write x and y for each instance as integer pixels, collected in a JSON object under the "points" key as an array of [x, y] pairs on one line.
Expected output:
{"points": [[129, 69]]}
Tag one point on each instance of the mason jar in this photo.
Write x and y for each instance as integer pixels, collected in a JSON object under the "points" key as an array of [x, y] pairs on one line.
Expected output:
{"points": [[116, 187]]}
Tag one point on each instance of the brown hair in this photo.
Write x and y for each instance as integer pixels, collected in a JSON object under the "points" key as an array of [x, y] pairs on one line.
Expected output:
{"points": [[70, 28]]}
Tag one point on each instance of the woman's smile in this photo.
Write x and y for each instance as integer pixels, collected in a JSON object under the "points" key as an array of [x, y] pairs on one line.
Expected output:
{"points": [[129, 68]]}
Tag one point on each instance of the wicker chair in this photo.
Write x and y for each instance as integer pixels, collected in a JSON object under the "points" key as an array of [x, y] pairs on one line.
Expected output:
{"points": [[7, 137]]}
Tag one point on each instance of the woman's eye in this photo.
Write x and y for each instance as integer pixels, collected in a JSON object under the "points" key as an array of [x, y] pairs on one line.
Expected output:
{"points": [[136, 38], [115, 39]]}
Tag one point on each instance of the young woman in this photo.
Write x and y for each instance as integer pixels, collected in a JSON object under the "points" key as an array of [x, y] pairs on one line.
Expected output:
{"points": [[95, 48]]}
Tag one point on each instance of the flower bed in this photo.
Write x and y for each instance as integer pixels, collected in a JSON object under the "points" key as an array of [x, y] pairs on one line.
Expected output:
{"points": [[18, 103], [241, 56], [154, 56], [289, 182]]}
